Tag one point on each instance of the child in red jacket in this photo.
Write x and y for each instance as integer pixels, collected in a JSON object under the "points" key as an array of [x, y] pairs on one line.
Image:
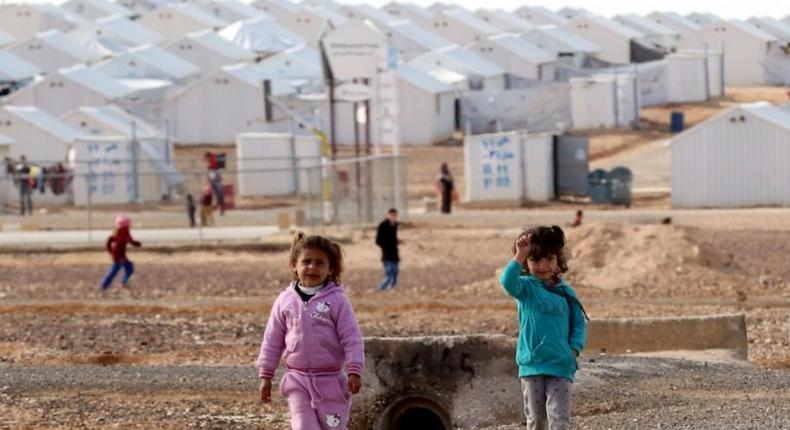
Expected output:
{"points": [[116, 246]]}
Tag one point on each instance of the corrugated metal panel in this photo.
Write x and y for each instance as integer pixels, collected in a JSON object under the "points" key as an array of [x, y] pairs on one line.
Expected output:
{"points": [[736, 160]]}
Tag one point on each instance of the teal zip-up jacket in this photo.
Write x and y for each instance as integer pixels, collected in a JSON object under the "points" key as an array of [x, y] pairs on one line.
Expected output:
{"points": [[545, 339]]}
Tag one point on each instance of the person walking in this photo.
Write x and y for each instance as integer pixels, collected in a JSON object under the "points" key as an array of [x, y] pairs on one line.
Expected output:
{"points": [[446, 188], [387, 240], [23, 179]]}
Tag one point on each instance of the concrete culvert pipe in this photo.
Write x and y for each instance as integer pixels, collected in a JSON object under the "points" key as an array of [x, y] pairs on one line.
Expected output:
{"points": [[437, 383]]}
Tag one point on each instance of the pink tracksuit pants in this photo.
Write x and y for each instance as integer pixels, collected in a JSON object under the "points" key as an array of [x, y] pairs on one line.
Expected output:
{"points": [[317, 401]]}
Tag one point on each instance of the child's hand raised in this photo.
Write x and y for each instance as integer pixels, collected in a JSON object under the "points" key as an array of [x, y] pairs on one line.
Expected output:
{"points": [[522, 248]]}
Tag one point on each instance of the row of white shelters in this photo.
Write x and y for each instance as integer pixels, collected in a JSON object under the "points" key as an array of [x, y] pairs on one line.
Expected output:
{"points": [[745, 49], [68, 89], [462, 68], [652, 31], [275, 8], [737, 158], [411, 40], [410, 11], [149, 62], [539, 15], [233, 10], [505, 21], [110, 120], [207, 50], [115, 34], [14, 69], [517, 57], [95, 9], [462, 26], [775, 27], [37, 135], [23, 20], [674, 21], [613, 38], [569, 48], [173, 20], [261, 36], [53, 50]]}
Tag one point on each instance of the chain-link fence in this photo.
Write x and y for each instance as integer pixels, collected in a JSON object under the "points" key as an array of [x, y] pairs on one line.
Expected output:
{"points": [[305, 192]]}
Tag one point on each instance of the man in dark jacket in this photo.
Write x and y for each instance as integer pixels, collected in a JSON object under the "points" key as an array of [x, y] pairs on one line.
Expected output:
{"points": [[387, 240]]}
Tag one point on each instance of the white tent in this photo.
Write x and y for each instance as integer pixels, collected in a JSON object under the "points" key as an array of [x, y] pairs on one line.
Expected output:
{"points": [[95, 9], [53, 50], [177, 19], [16, 69], [149, 62], [275, 8], [652, 31], [462, 27], [410, 11], [301, 62], [566, 46], [262, 36], [68, 89], [26, 19], [427, 113], [115, 34], [37, 135], [680, 24], [745, 49], [110, 120], [6, 39], [775, 27], [480, 74], [504, 20], [207, 50], [737, 158], [411, 40], [232, 10], [518, 57], [309, 23], [539, 15], [220, 106], [613, 38], [702, 18]]}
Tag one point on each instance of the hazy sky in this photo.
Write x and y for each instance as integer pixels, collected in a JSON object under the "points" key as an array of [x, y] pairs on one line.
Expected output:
{"points": [[725, 9]]}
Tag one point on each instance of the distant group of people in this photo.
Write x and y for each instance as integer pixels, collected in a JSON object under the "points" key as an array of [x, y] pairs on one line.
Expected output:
{"points": [[212, 195], [29, 178]]}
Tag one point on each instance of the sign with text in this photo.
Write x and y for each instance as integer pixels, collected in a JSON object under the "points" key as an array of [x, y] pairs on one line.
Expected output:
{"points": [[354, 50], [353, 92], [493, 167]]}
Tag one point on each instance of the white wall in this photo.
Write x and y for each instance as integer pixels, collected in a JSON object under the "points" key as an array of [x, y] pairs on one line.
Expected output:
{"points": [[615, 48], [265, 162], [593, 103], [43, 55], [421, 122], [57, 95], [538, 166]]}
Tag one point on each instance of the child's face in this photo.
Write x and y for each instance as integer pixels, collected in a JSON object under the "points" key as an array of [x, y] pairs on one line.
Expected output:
{"points": [[312, 267], [543, 268]]}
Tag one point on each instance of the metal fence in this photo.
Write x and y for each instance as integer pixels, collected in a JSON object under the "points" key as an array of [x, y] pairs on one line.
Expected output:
{"points": [[310, 193]]}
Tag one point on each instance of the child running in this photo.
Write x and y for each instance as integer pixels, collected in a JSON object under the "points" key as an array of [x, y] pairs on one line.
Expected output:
{"points": [[313, 329], [552, 325], [116, 246]]}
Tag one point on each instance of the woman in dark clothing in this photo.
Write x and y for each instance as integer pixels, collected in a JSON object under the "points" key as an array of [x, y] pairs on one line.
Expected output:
{"points": [[445, 187]]}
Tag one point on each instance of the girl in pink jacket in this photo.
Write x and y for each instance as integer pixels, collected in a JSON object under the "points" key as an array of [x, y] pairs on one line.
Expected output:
{"points": [[312, 328]]}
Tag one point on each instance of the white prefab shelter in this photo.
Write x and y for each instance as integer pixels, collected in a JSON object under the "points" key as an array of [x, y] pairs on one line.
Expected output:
{"points": [[702, 18], [262, 36], [210, 52], [220, 106], [480, 74], [149, 62], [775, 27], [301, 62], [427, 113], [569, 48], [174, 20], [746, 49], [462, 27], [233, 10], [505, 21], [26, 19], [572, 12], [110, 120], [652, 31], [53, 50], [37, 135], [266, 164], [737, 158], [518, 57], [603, 101], [410, 11], [68, 89], [672, 20], [308, 24], [539, 15], [613, 38], [95, 9], [275, 8], [514, 166], [115, 34], [6, 39], [411, 40], [688, 73], [366, 11], [15, 69]]}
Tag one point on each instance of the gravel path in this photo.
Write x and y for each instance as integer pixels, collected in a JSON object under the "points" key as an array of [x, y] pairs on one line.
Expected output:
{"points": [[611, 393]]}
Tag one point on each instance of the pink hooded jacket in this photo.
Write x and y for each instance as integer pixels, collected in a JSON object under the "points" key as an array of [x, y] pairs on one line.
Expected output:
{"points": [[319, 336]]}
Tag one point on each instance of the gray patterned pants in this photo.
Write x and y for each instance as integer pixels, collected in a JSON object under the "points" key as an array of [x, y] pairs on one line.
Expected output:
{"points": [[547, 402]]}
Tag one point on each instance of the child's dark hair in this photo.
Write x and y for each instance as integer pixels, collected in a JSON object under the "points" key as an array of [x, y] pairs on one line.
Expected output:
{"points": [[332, 250], [545, 241]]}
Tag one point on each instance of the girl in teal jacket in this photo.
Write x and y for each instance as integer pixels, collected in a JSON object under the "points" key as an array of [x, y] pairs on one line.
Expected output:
{"points": [[552, 325]]}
